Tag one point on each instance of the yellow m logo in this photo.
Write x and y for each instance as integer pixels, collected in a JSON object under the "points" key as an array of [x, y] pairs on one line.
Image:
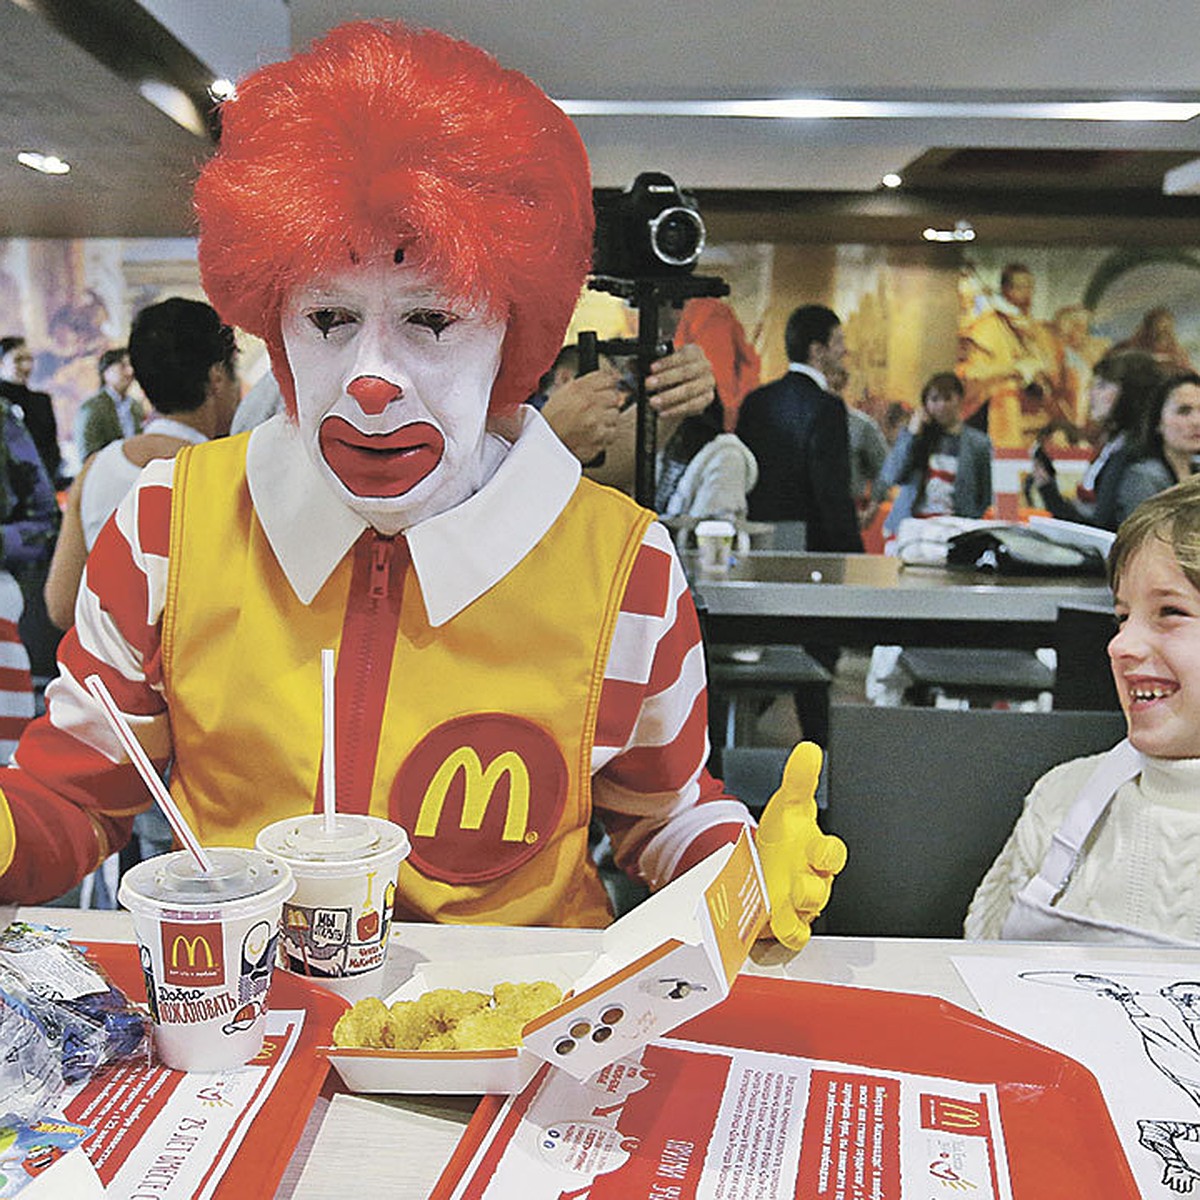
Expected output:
{"points": [[957, 1116], [192, 947], [478, 786]]}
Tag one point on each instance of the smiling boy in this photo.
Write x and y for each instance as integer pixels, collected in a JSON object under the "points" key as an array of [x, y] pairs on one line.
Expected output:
{"points": [[1107, 847]]}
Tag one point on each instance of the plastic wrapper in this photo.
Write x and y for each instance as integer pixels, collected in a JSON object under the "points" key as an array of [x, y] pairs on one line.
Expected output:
{"points": [[60, 1019]]}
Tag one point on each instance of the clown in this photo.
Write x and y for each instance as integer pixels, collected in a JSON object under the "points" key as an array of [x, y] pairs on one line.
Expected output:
{"points": [[408, 227]]}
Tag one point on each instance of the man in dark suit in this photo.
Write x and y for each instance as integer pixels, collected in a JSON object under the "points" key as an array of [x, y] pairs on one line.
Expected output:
{"points": [[37, 412], [797, 430]]}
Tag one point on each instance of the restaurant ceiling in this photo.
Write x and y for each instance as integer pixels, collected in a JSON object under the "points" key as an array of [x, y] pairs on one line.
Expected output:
{"points": [[132, 167]]}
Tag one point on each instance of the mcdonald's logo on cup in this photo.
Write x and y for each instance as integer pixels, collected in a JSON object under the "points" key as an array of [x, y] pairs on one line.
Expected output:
{"points": [[479, 794], [193, 953]]}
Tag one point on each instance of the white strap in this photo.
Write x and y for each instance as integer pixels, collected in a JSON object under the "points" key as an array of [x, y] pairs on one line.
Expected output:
{"points": [[1121, 764]]}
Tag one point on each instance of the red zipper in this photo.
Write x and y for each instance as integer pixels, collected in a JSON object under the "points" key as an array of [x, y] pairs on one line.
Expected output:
{"points": [[364, 665]]}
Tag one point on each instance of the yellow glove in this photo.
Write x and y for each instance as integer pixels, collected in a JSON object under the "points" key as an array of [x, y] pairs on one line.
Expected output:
{"points": [[798, 860]]}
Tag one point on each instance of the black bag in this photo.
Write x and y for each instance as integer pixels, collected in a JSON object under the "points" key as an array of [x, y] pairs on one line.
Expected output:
{"points": [[1019, 550]]}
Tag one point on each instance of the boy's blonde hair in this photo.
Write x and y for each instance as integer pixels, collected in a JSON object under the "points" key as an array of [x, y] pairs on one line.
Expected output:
{"points": [[1173, 517]]}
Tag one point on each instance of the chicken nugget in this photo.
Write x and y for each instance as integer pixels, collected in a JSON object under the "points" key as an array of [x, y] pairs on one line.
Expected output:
{"points": [[447, 1006], [488, 1029], [527, 1000], [408, 1025], [363, 1024]]}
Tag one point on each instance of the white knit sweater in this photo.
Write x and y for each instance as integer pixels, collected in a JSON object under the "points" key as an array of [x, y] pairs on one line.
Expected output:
{"points": [[1140, 868]]}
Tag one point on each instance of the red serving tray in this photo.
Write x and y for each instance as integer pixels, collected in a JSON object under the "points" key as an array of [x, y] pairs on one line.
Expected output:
{"points": [[1060, 1138], [268, 1144]]}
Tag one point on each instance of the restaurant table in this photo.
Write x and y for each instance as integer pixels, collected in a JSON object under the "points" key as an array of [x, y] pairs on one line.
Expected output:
{"points": [[863, 600], [397, 1145]]}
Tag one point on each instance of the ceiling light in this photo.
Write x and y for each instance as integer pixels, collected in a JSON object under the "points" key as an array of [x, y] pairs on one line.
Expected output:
{"points": [[222, 89], [823, 109], [962, 232], [1183, 180], [891, 180], [48, 164]]}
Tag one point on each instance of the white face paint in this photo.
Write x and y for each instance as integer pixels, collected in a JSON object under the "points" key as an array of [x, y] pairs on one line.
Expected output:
{"points": [[392, 388]]}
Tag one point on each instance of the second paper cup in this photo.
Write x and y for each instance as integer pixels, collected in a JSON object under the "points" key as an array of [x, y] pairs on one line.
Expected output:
{"points": [[336, 925]]}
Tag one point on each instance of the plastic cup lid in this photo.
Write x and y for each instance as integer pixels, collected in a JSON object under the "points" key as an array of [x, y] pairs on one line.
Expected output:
{"points": [[305, 839], [176, 878]]}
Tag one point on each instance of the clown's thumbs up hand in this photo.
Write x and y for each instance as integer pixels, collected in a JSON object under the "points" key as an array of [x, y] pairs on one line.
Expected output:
{"points": [[798, 860]]}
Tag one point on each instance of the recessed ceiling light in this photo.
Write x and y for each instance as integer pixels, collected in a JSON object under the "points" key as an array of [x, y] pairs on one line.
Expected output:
{"points": [[222, 89], [891, 180], [962, 232], [823, 109], [48, 164]]}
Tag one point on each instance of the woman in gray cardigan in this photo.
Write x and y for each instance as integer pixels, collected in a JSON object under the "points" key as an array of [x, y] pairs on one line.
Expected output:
{"points": [[943, 467], [1169, 444]]}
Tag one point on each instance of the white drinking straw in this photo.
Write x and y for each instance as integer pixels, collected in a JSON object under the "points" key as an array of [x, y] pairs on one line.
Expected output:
{"points": [[145, 768], [328, 777]]}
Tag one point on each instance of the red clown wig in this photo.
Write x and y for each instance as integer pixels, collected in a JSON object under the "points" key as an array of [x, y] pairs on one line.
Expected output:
{"points": [[382, 139]]}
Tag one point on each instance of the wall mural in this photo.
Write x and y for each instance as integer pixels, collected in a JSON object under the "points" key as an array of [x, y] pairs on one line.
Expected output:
{"points": [[1023, 326], [72, 300]]}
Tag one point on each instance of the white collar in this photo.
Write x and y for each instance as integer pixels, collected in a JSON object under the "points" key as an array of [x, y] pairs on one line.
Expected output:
{"points": [[176, 429], [457, 555], [812, 373]]}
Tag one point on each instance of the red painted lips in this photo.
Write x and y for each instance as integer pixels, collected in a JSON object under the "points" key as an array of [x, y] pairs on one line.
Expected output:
{"points": [[384, 464]]}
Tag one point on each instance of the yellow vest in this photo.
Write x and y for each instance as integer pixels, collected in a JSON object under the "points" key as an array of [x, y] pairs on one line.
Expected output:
{"points": [[486, 738]]}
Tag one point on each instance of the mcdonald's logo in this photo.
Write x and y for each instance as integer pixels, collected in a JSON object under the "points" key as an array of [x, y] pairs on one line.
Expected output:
{"points": [[954, 1115], [959, 1116], [193, 954], [478, 788], [192, 947], [480, 795]]}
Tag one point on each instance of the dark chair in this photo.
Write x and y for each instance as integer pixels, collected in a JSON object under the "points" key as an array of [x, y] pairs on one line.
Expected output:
{"points": [[983, 678], [738, 673], [925, 798], [1082, 678]]}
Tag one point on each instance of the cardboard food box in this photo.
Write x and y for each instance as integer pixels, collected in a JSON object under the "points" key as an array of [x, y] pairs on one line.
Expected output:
{"points": [[674, 956]]}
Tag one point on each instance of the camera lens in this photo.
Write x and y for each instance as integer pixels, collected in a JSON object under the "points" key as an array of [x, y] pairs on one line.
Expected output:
{"points": [[677, 236]]}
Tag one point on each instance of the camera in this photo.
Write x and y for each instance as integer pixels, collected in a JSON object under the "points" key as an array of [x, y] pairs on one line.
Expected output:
{"points": [[650, 231]]}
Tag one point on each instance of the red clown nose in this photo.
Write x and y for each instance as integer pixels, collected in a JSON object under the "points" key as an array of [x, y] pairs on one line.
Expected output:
{"points": [[372, 393]]}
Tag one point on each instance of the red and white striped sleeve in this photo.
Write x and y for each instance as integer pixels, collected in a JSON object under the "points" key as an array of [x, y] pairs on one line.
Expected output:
{"points": [[662, 809], [71, 791]]}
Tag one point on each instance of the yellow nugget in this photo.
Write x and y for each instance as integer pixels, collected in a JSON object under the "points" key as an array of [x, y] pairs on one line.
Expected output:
{"points": [[527, 1000], [488, 1029], [362, 1025]]}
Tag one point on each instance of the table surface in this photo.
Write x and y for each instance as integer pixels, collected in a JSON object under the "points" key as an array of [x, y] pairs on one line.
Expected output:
{"points": [[865, 586], [401, 1144]]}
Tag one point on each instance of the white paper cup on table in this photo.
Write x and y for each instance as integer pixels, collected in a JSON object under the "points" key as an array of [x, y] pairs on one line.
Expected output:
{"points": [[714, 541], [207, 943], [335, 927]]}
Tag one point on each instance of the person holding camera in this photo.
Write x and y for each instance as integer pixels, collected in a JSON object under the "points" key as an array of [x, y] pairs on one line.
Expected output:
{"points": [[593, 415], [700, 471]]}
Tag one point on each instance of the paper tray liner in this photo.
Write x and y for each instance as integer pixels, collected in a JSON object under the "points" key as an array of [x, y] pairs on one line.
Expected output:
{"points": [[1060, 1138], [275, 1131]]}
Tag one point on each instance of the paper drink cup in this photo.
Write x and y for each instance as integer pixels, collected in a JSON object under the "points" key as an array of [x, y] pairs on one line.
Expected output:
{"points": [[208, 944], [714, 541], [335, 927]]}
